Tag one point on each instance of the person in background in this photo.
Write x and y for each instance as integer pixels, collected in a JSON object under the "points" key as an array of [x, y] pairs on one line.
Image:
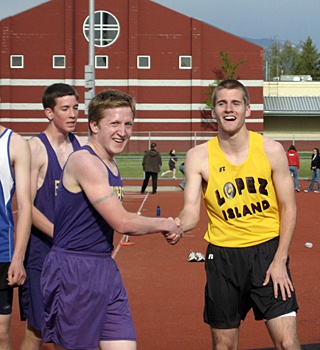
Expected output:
{"points": [[14, 180], [151, 164], [86, 305], [182, 185], [315, 167], [172, 164], [49, 152], [294, 165], [249, 197]]}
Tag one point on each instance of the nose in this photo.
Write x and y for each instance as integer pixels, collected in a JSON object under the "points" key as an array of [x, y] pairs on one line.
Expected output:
{"points": [[121, 129], [73, 113], [229, 106]]}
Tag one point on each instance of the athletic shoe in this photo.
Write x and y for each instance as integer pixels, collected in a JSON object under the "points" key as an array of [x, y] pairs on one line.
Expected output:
{"points": [[297, 190], [200, 257], [317, 191], [307, 191], [174, 178], [192, 257], [182, 187]]}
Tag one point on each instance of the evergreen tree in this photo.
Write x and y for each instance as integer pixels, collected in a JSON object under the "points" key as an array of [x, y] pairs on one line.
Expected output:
{"points": [[308, 62]]}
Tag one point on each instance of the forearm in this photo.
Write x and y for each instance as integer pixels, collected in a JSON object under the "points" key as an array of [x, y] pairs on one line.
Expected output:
{"points": [[287, 227], [188, 219], [41, 222], [136, 225], [22, 233]]}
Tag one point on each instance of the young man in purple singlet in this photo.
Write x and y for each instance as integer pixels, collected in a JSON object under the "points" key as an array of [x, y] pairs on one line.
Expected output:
{"points": [[86, 305], [14, 178], [49, 152]]}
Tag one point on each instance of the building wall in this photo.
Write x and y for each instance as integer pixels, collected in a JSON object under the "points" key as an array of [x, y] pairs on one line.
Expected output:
{"points": [[292, 88], [168, 98]]}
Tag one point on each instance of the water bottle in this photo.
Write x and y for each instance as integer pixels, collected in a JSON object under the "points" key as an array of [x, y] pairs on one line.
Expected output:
{"points": [[158, 211]]}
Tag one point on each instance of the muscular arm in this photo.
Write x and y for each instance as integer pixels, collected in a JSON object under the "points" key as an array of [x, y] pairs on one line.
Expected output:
{"points": [[287, 209], [20, 157], [86, 172], [39, 163]]}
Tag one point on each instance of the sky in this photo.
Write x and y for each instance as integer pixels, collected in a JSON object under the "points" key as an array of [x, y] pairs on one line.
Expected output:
{"points": [[292, 20]]}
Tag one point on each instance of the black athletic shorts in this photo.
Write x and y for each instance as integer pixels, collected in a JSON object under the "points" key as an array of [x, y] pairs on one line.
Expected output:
{"points": [[6, 292], [234, 285]]}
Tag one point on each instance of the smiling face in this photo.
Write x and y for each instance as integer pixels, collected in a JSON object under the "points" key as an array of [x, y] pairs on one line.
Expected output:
{"points": [[114, 130], [64, 115], [230, 110]]}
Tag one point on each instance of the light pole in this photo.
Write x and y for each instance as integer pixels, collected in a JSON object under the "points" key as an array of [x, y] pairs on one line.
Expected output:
{"points": [[89, 69]]}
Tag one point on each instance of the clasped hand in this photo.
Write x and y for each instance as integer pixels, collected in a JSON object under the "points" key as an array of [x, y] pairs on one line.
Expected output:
{"points": [[175, 233]]}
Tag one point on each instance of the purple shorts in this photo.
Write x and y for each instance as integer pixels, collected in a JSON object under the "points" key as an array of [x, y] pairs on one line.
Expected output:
{"points": [[31, 303], [84, 300]]}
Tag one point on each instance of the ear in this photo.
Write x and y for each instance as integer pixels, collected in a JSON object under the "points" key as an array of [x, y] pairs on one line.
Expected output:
{"points": [[248, 111], [94, 127], [49, 113]]}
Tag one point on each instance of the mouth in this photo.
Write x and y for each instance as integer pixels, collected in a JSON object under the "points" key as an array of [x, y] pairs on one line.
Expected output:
{"points": [[229, 118], [119, 141]]}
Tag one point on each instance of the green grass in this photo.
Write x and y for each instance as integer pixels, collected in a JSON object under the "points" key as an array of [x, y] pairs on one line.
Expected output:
{"points": [[130, 165], [131, 168]]}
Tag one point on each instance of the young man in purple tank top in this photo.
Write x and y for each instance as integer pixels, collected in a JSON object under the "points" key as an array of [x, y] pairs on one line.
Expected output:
{"points": [[14, 178], [247, 259], [79, 266], [49, 152]]}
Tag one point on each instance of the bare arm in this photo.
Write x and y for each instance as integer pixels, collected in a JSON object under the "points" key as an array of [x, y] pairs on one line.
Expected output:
{"points": [[287, 208], [196, 169], [86, 172], [20, 157], [39, 163]]}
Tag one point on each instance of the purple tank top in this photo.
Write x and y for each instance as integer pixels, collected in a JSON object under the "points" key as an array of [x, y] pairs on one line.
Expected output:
{"points": [[40, 244], [78, 226]]}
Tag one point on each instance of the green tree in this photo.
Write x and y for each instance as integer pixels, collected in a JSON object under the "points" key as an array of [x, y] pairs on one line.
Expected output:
{"points": [[227, 70], [308, 62], [272, 59], [288, 58]]}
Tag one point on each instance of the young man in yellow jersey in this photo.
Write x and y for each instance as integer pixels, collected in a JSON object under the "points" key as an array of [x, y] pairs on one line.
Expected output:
{"points": [[250, 201]]}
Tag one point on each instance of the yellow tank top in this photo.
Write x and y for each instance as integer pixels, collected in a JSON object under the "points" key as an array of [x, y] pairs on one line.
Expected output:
{"points": [[240, 199]]}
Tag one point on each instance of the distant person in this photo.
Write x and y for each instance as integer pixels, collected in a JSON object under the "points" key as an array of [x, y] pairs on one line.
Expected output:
{"points": [[14, 178], [172, 164], [49, 152], [315, 167], [182, 185], [294, 165], [86, 305], [248, 192], [151, 164]]}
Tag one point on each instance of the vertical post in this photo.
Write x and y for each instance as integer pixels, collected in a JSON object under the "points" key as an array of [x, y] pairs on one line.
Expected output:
{"points": [[89, 70]]}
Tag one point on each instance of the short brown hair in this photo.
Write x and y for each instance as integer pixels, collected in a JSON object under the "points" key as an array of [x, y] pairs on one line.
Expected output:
{"points": [[230, 84], [109, 99]]}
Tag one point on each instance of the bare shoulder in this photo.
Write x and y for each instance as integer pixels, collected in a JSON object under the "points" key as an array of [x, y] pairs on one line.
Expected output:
{"points": [[18, 146], [198, 152], [272, 146], [274, 151], [36, 145], [83, 160], [38, 152]]}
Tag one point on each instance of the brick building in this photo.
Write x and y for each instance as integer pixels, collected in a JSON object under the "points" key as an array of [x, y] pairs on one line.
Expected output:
{"points": [[161, 57]]}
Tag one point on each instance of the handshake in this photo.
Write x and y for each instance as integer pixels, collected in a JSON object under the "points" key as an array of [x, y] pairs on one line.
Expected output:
{"points": [[174, 232]]}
